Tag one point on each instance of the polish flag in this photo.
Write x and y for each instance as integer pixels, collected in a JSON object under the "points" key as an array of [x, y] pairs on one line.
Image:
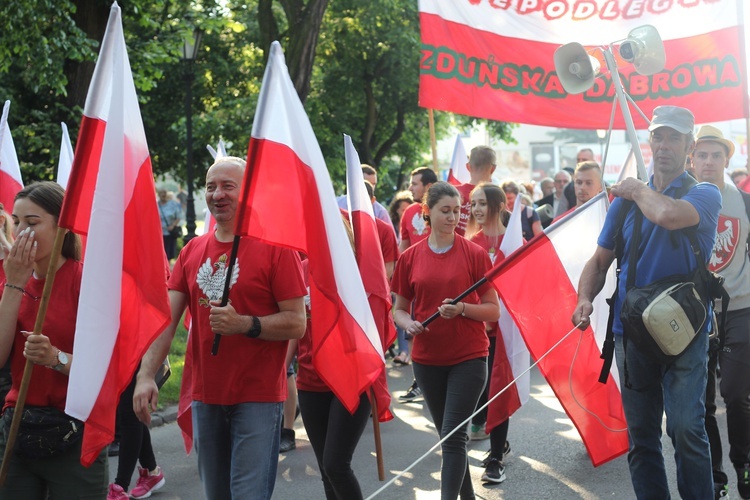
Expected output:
{"points": [[629, 168], [288, 200], [10, 170], [511, 353], [65, 163], [221, 149], [371, 266], [458, 173], [209, 223], [554, 261], [123, 304]]}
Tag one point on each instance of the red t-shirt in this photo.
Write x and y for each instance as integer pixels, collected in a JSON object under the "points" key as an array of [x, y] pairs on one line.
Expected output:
{"points": [[413, 226], [428, 278], [464, 190], [47, 387], [245, 369], [492, 247], [388, 243], [307, 377]]}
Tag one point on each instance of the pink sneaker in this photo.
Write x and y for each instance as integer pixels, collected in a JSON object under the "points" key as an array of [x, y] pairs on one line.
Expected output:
{"points": [[147, 483], [116, 492]]}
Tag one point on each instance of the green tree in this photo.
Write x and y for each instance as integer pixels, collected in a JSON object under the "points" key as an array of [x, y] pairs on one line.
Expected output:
{"points": [[367, 86], [361, 78]]}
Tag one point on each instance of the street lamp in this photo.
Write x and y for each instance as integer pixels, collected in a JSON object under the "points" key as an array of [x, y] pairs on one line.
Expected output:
{"points": [[190, 49]]}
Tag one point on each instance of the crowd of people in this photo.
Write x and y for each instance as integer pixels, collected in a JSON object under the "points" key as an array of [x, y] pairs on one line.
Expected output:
{"points": [[244, 400]]}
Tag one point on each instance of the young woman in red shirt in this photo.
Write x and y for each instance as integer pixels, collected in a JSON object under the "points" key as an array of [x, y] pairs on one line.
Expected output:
{"points": [[486, 228], [54, 469], [450, 356]]}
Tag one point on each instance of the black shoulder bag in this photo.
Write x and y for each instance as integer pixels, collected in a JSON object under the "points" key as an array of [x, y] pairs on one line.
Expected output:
{"points": [[663, 318]]}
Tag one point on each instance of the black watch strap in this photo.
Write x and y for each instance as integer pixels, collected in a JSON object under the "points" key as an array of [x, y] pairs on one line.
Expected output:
{"points": [[254, 331]]}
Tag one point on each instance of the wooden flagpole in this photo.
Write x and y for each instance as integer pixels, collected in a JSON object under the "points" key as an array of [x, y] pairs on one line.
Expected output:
{"points": [[28, 369], [433, 140], [376, 432]]}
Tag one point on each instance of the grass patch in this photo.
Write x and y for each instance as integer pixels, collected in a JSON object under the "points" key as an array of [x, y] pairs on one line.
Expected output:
{"points": [[169, 394]]}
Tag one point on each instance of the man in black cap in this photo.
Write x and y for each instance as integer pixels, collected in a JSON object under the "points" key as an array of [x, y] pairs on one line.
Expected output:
{"points": [[650, 389]]}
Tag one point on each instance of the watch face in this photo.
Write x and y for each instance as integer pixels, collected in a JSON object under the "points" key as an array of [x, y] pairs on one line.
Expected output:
{"points": [[62, 358]]}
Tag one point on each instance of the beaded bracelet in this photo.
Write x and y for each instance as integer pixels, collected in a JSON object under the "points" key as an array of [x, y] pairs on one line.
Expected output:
{"points": [[22, 290]]}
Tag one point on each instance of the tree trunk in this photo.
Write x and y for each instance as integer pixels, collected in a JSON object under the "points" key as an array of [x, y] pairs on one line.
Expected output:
{"points": [[304, 27], [91, 17]]}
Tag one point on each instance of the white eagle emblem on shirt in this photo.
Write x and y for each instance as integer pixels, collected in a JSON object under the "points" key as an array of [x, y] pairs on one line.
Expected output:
{"points": [[419, 224], [211, 279], [727, 235]]}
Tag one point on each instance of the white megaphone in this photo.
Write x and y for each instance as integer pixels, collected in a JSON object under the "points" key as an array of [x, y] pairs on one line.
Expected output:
{"points": [[644, 49], [575, 68]]}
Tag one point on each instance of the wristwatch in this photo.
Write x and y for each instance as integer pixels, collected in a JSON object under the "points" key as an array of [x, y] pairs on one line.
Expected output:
{"points": [[62, 361], [254, 331]]}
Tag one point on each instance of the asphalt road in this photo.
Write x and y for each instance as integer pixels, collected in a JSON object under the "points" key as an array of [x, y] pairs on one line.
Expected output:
{"points": [[548, 458]]}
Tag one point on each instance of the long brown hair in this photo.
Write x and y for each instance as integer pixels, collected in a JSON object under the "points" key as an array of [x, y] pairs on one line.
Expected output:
{"points": [[434, 194], [496, 211], [7, 226], [49, 196]]}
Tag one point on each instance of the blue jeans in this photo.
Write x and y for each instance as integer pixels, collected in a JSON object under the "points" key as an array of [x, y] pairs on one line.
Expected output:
{"points": [[238, 448], [678, 390]]}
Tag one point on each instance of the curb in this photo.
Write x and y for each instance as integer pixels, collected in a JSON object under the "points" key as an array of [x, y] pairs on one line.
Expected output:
{"points": [[163, 416]]}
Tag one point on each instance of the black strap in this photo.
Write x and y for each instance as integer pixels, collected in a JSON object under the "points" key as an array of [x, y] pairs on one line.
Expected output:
{"points": [[710, 291], [609, 342], [608, 348], [161, 212]]}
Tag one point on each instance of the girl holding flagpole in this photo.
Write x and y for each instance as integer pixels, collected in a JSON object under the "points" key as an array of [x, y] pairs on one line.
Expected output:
{"points": [[449, 357], [46, 461], [486, 228]]}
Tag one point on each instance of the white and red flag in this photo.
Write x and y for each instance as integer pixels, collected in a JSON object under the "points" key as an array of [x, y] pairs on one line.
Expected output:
{"points": [[494, 59], [123, 304], [458, 173], [554, 261], [511, 353], [209, 223], [65, 163], [371, 266], [10, 170], [288, 200]]}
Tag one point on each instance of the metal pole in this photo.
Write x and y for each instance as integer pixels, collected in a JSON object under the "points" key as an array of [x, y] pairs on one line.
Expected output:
{"points": [[190, 215], [628, 118]]}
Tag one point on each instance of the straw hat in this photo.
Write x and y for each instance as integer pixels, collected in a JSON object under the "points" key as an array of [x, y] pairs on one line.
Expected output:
{"points": [[711, 133]]}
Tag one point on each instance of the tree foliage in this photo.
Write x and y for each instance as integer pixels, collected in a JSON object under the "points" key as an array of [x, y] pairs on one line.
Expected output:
{"points": [[354, 65]]}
